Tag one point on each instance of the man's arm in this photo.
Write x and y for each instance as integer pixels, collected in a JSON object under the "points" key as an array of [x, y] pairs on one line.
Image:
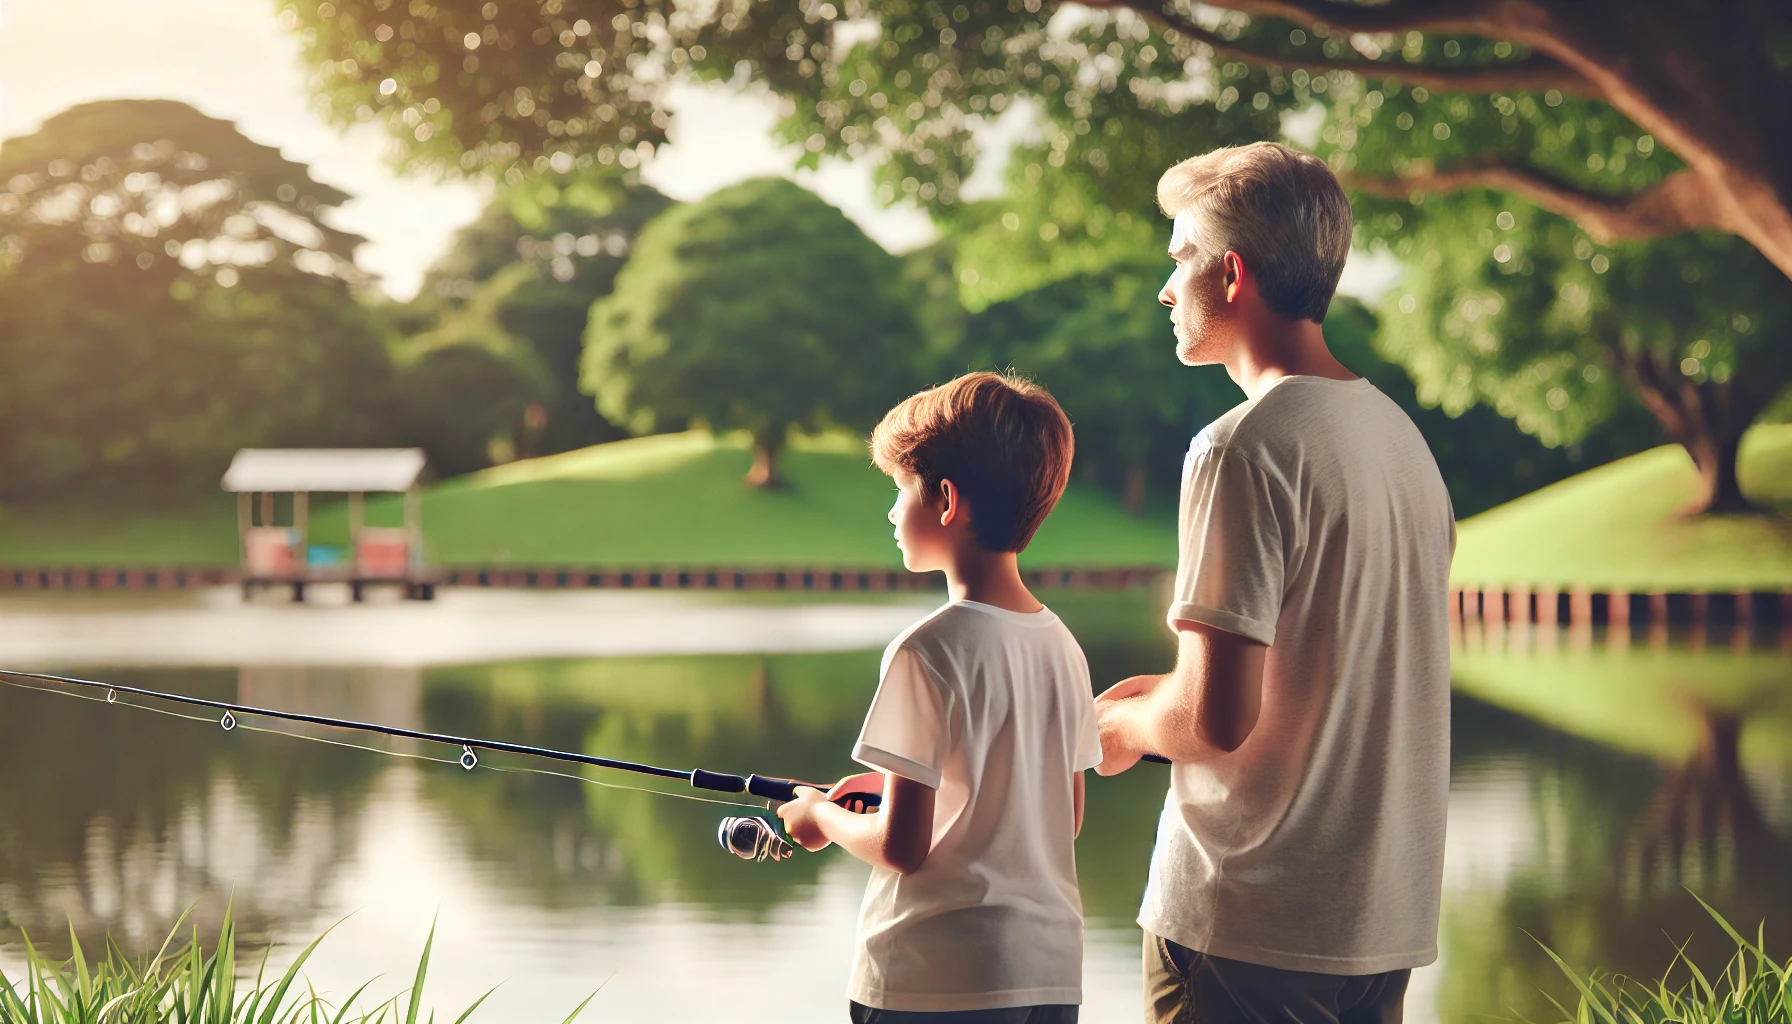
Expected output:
{"points": [[1203, 709], [1076, 800], [897, 836]]}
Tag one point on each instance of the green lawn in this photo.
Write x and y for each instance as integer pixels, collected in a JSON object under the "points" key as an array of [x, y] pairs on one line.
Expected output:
{"points": [[673, 499], [1620, 526]]}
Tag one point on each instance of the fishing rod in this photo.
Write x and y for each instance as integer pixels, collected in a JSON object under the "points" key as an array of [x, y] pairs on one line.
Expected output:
{"points": [[750, 838]]}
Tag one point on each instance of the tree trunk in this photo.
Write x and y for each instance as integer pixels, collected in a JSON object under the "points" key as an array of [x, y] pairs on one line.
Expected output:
{"points": [[1132, 492], [1707, 419], [764, 472]]}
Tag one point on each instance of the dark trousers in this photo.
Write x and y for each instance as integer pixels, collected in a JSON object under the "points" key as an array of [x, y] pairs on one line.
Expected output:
{"points": [[1186, 987], [862, 1014]]}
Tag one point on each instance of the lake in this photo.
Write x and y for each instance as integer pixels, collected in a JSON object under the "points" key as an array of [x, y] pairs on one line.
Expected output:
{"points": [[1593, 783]]}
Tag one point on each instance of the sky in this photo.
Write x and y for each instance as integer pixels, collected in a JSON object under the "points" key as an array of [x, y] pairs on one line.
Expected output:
{"points": [[230, 59]]}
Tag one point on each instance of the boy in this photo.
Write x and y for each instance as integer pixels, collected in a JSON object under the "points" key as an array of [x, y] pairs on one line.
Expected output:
{"points": [[981, 729]]}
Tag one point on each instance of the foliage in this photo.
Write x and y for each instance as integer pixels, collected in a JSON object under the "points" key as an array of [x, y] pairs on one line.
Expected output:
{"points": [[1508, 305], [519, 281], [187, 985], [1752, 988], [760, 308], [170, 291]]}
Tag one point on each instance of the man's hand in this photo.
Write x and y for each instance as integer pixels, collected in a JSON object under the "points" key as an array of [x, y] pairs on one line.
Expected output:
{"points": [[1118, 749], [1135, 686], [799, 818]]}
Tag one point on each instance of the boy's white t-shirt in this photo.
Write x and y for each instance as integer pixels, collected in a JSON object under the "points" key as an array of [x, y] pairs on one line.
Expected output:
{"points": [[1314, 521], [993, 710]]}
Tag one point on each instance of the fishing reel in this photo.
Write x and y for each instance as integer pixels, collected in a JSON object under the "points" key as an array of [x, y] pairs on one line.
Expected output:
{"points": [[756, 839]]}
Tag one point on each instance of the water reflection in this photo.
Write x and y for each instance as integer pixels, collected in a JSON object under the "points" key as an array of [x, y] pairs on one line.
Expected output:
{"points": [[125, 817]]}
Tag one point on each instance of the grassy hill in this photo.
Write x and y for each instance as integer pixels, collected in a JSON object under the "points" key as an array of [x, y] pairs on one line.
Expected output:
{"points": [[672, 499], [1621, 526]]}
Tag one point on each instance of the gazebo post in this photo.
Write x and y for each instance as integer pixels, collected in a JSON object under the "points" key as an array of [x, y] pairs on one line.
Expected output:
{"points": [[267, 508], [413, 525], [356, 513], [301, 521]]}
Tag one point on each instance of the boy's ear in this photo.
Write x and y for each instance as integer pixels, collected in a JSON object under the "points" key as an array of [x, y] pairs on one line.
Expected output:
{"points": [[955, 511]]}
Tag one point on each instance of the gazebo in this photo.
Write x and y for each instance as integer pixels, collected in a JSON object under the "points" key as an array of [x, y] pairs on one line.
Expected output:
{"points": [[275, 555]]}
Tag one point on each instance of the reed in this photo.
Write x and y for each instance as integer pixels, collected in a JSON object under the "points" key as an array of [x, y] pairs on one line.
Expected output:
{"points": [[1752, 988], [183, 984]]}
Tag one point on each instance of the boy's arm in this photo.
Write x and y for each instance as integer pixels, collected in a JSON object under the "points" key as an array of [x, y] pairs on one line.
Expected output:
{"points": [[897, 836]]}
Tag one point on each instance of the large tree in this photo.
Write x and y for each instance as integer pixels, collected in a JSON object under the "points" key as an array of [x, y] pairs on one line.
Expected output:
{"points": [[503, 87], [169, 291], [760, 308], [1513, 307], [524, 276]]}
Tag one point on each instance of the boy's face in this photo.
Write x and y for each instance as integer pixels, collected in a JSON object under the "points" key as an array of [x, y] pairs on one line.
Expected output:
{"points": [[925, 542]]}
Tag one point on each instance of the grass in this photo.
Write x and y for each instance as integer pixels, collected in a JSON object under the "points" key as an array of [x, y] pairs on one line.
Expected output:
{"points": [[666, 500], [188, 986], [1752, 988], [1620, 526]]}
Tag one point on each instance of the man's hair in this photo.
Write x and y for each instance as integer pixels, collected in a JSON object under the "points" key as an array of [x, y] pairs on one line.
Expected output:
{"points": [[1283, 211], [1002, 441]]}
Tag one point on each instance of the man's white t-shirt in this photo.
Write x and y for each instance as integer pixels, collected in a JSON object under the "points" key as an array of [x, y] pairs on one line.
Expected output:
{"points": [[1314, 520], [993, 710]]}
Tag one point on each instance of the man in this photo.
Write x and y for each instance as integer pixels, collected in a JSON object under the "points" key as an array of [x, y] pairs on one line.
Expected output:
{"points": [[1299, 857]]}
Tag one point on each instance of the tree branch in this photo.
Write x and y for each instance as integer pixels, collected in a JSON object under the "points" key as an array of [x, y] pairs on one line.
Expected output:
{"points": [[1535, 73], [1460, 17], [1676, 203]]}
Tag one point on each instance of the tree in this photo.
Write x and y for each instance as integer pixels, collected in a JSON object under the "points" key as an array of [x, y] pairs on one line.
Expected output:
{"points": [[170, 291], [502, 86], [760, 308], [1514, 307], [527, 272]]}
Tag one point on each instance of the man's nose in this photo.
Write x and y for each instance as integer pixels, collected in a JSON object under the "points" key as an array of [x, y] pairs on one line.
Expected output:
{"points": [[1167, 297]]}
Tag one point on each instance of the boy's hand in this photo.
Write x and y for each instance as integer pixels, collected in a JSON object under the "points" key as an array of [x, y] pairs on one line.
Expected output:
{"points": [[864, 782], [799, 818], [1136, 686]]}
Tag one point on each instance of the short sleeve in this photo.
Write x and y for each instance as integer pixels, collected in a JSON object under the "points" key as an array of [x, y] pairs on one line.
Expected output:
{"points": [[1229, 571], [907, 731], [1088, 744]]}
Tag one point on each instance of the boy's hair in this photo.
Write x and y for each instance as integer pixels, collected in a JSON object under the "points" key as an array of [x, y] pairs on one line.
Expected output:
{"points": [[1282, 210], [1002, 441]]}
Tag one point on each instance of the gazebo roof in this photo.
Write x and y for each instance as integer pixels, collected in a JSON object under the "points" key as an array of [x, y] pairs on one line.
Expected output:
{"points": [[324, 469]]}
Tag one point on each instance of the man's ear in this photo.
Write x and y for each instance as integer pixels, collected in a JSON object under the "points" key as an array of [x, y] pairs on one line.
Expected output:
{"points": [[1233, 280], [955, 510]]}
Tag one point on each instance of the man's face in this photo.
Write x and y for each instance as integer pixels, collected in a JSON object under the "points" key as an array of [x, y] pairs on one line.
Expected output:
{"points": [[1195, 293]]}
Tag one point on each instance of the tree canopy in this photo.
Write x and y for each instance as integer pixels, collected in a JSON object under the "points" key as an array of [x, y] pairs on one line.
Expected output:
{"points": [[170, 291], [519, 282], [759, 308], [502, 87]]}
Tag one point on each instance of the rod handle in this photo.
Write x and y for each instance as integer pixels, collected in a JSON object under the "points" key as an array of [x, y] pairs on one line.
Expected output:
{"points": [[785, 789], [718, 782]]}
